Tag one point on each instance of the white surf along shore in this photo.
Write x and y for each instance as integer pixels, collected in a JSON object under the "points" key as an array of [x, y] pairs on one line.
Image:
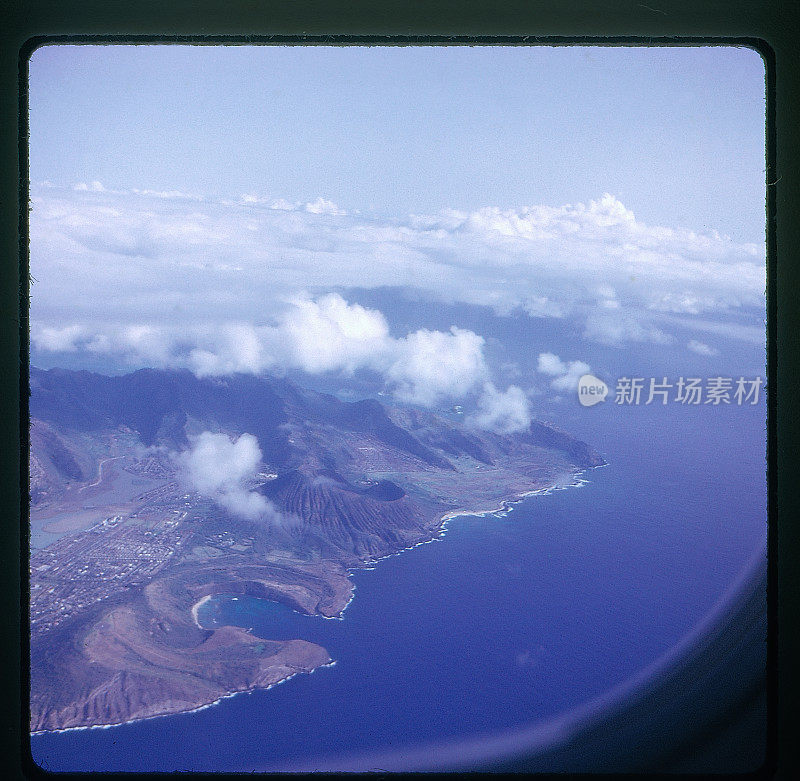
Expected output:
{"points": [[570, 480], [505, 506]]}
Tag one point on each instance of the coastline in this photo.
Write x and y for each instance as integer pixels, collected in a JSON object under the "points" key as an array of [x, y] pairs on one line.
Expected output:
{"points": [[440, 527], [504, 506], [196, 606], [439, 530], [229, 695]]}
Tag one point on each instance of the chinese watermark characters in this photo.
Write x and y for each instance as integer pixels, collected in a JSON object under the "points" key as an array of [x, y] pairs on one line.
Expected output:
{"points": [[688, 390]]}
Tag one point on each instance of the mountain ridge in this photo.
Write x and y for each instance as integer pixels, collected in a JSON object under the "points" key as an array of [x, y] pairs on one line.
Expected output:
{"points": [[128, 544]]}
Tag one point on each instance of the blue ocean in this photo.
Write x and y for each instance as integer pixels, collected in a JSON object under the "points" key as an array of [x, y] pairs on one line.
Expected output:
{"points": [[507, 620]]}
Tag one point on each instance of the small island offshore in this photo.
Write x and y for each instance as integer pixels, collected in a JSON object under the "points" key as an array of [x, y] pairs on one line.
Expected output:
{"points": [[153, 491]]}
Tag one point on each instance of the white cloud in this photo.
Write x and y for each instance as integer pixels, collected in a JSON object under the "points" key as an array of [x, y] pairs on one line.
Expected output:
{"points": [[280, 205], [239, 349], [319, 206], [148, 342], [726, 329], [148, 251], [608, 325], [53, 339], [505, 413], [329, 334], [569, 380], [542, 306], [95, 187], [322, 206], [565, 375], [168, 194], [682, 303], [218, 468], [423, 367], [165, 278], [701, 348], [609, 211], [550, 363], [431, 365]]}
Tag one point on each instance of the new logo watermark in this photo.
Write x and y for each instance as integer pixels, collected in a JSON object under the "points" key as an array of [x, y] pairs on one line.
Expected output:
{"points": [[684, 390], [591, 390]]}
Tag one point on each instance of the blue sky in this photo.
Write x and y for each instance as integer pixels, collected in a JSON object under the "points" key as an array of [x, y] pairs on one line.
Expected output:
{"points": [[677, 134], [218, 208]]}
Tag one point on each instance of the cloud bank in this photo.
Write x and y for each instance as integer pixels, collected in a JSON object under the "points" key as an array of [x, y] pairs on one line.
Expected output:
{"points": [[224, 286], [137, 257], [317, 336]]}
